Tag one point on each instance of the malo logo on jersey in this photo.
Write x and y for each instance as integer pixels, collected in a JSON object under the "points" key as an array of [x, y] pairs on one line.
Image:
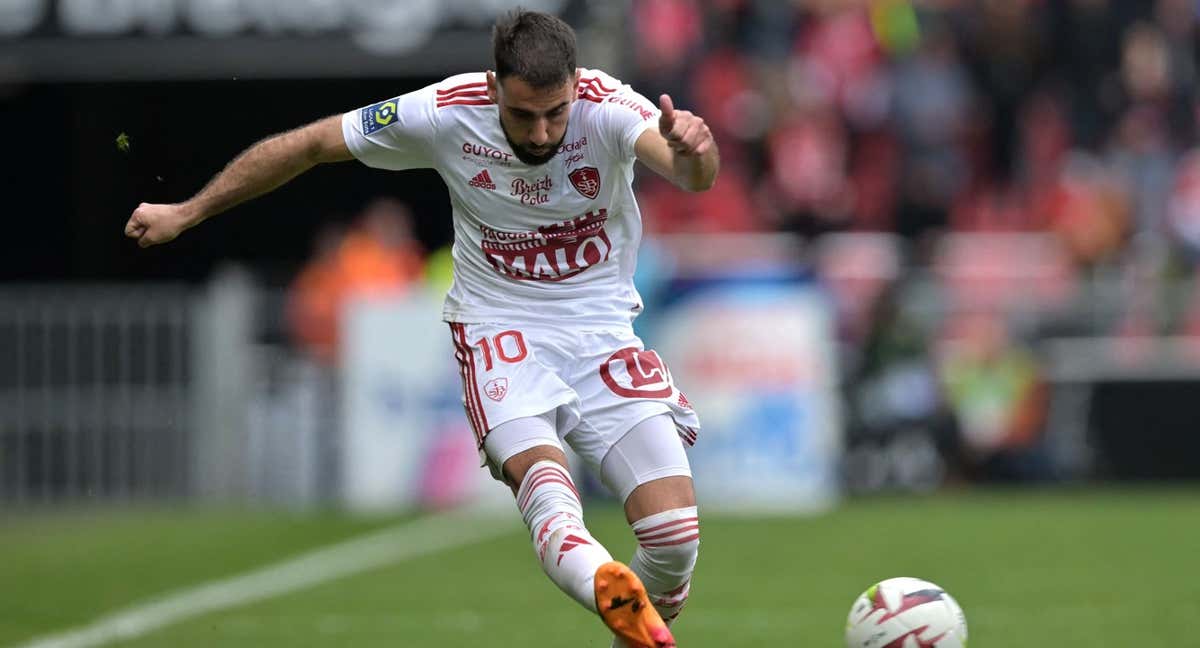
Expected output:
{"points": [[379, 116], [634, 373], [483, 180], [586, 181], [553, 252], [496, 389]]}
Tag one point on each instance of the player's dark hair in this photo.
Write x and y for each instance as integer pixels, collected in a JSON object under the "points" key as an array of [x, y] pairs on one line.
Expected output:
{"points": [[535, 47]]}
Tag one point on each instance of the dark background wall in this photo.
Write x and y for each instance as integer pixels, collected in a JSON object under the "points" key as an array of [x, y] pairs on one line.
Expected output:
{"points": [[68, 189]]}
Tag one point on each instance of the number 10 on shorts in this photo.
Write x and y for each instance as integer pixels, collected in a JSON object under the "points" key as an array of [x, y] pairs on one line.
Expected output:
{"points": [[509, 347]]}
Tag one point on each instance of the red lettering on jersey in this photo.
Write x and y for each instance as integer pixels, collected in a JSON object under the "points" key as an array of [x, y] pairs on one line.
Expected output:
{"points": [[479, 150], [571, 147], [532, 193], [553, 252], [635, 106], [586, 181]]}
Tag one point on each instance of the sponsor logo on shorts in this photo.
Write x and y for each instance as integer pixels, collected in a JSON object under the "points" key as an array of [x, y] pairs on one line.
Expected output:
{"points": [[496, 389], [378, 116], [634, 373]]}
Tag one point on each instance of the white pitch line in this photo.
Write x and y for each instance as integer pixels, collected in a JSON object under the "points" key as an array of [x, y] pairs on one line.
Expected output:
{"points": [[409, 540]]}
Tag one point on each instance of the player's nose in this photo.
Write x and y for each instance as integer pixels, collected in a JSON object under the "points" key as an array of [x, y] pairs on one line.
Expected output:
{"points": [[540, 134]]}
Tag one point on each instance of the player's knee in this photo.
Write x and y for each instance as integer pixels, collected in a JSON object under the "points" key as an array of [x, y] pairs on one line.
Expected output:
{"points": [[673, 562], [517, 467], [668, 545]]}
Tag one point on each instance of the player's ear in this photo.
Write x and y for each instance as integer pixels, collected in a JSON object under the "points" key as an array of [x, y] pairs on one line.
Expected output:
{"points": [[493, 87]]}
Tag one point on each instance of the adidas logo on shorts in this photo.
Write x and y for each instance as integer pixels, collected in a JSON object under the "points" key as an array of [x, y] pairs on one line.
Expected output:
{"points": [[483, 181]]}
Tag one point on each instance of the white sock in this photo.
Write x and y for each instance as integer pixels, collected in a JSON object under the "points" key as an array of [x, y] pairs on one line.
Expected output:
{"points": [[668, 544], [551, 508]]}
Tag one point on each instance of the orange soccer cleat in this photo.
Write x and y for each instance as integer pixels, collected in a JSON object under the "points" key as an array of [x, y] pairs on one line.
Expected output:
{"points": [[626, 610]]}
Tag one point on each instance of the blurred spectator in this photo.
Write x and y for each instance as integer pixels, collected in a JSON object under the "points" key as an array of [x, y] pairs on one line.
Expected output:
{"points": [[807, 161], [1088, 209], [995, 388], [1183, 213], [1085, 34], [313, 296], [667, 34], [932, 101], [1141, 146], [378, 257], [726, 207], [1005, 38]]}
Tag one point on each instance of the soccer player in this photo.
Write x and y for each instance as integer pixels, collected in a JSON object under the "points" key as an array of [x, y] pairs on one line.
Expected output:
{"points": [[538, 157]]}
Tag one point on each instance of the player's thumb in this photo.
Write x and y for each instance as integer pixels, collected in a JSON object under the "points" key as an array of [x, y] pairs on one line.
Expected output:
{"points": [[666, 121], [134, 228]]}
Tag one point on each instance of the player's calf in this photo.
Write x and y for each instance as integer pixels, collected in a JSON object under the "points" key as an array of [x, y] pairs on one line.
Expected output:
{"points": [[668, 544], [551, 508]]}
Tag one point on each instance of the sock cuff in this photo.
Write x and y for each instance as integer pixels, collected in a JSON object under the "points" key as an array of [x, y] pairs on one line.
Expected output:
{"points": [[668, 528], [540, 474]]}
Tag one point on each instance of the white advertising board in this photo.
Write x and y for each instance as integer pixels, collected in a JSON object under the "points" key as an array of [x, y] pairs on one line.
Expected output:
{"points": [[757, 363], [405, 440]]}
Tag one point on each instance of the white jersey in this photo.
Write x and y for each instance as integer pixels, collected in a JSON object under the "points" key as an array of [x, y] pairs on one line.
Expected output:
{"points": [[550, 243]]}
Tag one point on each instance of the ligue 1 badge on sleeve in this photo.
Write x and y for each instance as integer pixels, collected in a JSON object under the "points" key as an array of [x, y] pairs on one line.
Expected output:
{"points": [[586, 181], [379, 116]]}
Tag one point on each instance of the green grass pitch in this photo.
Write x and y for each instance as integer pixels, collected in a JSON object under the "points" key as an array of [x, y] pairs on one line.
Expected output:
{"points": [[1054, 570]]}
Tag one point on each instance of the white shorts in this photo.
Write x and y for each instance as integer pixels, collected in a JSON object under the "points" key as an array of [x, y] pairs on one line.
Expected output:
{"points": [[598, 384]]}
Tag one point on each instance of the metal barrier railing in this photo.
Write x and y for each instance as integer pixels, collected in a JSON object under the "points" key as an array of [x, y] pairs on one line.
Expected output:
{"points": [[94, 392]]}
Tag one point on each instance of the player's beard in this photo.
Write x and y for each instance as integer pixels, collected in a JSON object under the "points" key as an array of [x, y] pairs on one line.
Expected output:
{"points": [[528, 157]]}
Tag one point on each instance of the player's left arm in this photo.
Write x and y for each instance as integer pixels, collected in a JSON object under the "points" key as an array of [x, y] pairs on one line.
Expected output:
{"points": [[681, 149]]}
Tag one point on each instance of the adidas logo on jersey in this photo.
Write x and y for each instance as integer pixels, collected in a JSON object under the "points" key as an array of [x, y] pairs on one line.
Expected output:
{"points": [[483, 180]]}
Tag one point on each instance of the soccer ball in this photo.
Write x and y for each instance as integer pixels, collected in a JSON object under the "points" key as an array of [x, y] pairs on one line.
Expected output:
{"points": [[905, 613]]}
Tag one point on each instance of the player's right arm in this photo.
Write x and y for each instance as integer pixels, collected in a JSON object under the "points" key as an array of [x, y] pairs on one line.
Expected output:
{"points": [[256, 171], [394, 134]]}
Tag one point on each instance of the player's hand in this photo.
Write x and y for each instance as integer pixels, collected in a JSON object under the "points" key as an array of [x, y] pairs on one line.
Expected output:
{"points": [[686, 133], [154, 224]]}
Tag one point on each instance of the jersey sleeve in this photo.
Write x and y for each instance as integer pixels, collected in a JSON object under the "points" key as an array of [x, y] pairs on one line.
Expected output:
{"points": [[395, 134], [624, 116]]}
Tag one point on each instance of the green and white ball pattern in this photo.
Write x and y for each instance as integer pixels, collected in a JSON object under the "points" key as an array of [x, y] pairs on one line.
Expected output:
{"points": [[906, 613]]}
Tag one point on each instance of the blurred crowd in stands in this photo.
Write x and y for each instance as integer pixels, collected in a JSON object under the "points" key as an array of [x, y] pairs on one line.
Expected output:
{"points": [[1072, 116], [967, 172]]}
